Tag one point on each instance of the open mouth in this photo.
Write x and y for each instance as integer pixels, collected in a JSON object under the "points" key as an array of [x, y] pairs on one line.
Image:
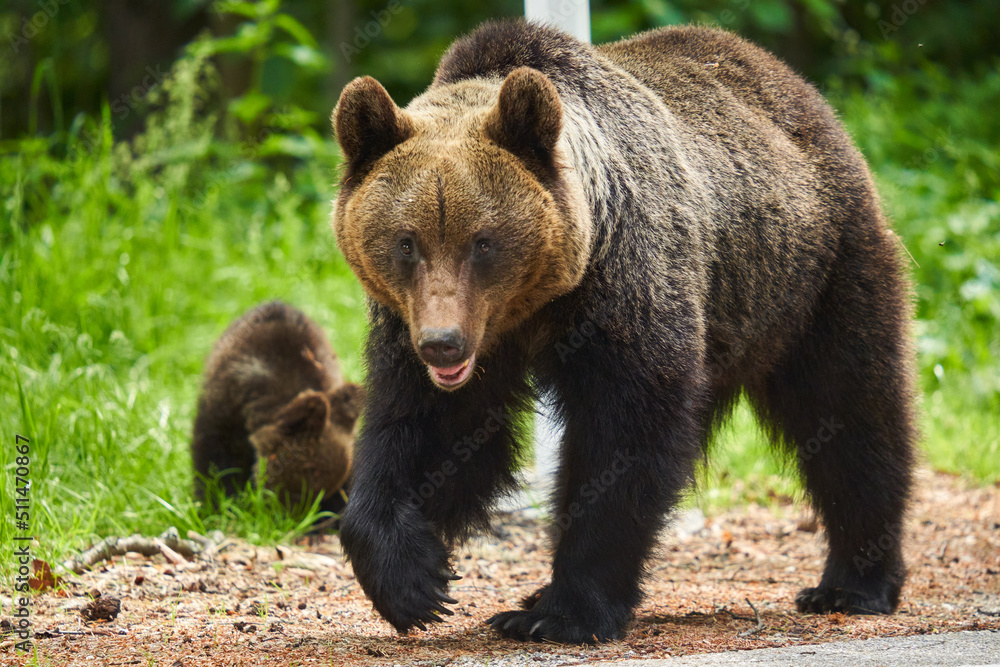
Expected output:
{"points": [[452, 376]]}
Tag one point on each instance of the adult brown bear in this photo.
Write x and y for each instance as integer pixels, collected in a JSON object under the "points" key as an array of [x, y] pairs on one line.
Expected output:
{"points": [[646, 229]]}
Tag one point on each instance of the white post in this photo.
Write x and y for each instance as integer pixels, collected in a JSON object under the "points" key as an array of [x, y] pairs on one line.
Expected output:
{"points": [[572, 16]]}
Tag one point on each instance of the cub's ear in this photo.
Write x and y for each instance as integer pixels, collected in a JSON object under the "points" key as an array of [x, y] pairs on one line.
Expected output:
{"points": [[306, 413], [346, 403], [527, 118], [368, 123]]}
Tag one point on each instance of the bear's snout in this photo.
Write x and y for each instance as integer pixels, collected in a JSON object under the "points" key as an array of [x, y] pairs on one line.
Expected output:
{"points": [[441, 346], [443, 350]]}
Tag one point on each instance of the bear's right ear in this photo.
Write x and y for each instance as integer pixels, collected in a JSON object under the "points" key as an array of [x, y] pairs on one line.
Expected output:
{"points": [[527, 118], [368, 123], [346, 403]]}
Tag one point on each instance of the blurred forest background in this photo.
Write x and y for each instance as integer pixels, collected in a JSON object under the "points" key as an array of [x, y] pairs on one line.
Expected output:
{"points": [[164, 166]]}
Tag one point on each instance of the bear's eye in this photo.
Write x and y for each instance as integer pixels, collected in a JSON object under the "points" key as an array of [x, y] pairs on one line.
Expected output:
{"points": [[483, 246], [406, 246]]}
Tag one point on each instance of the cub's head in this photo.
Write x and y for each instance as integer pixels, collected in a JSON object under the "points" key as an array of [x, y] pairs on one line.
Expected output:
{"points": [[460, 212], [309, 444]]}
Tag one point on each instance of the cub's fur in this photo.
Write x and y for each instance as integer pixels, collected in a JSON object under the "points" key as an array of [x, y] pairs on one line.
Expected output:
{"points": [[274, 396], [647, 230]]}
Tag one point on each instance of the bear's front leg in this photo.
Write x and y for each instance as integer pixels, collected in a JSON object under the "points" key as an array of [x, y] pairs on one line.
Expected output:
{"points": [[628, 453], [400, 562], [427, 466], [417, 481]]}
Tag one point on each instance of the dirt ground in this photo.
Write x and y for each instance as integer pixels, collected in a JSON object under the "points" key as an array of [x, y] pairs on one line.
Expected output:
{"points": [[301, 604]]}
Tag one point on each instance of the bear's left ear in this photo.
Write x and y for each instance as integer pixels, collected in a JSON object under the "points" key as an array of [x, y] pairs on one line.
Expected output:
{"points": [[305, 414], [368, 123], [527, 118]]}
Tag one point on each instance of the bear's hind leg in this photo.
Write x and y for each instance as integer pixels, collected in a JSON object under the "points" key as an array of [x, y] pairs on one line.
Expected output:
{"points": [[843, 399], [220, 446]]}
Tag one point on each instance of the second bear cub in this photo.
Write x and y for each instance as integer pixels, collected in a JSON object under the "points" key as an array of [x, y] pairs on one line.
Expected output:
{"points": [[274, 395]]}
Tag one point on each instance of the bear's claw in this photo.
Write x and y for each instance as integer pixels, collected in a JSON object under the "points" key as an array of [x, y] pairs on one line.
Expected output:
{"points": [[825, 599], [536, 626], [421, 605]]}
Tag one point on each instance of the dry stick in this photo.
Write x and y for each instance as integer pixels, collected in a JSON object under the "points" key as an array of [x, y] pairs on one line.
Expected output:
{"points": [[168, 544], [738, 617], [87, 633], [169, 553], [900, 239], [760, 623]]}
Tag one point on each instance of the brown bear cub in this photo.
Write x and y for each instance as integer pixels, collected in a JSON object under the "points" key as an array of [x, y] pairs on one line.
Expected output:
{"points": [[645, 230], [274, 396]]}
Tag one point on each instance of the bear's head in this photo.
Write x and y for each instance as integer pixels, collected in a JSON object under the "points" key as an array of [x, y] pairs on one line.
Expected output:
{"points": [[460, 212], [309, 444]]}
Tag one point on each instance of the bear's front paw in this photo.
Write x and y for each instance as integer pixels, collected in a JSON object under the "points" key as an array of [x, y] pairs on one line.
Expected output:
{"points": [[823, 599], [559, 628], [412, 596], [402, 567]]}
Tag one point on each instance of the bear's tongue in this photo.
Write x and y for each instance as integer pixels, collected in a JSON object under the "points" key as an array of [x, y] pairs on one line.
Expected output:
{"points": [[452, 375]]}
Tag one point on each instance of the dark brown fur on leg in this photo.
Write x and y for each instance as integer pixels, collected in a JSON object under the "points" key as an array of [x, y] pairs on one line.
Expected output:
{"points": [[843, 399]]}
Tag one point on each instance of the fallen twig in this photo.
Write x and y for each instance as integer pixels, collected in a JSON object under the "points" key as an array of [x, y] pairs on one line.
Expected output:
{"points": [[173, 548], [210, 545], [52, 634], [169, 553], [738, 617], [760, 623]]}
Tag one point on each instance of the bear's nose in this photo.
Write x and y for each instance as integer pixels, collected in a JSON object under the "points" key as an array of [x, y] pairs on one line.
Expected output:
{"points": [[441, 347]]}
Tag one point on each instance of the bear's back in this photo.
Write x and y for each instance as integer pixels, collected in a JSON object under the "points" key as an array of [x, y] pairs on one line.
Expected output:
{"points": [[717, 81], [263, 361]]}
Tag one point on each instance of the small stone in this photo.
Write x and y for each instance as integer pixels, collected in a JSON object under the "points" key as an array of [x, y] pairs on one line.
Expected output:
{"points": [[104, 608]]}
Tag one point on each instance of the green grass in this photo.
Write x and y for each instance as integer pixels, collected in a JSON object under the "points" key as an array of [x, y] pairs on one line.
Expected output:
{"points": [[118, 273], [119, 268]]}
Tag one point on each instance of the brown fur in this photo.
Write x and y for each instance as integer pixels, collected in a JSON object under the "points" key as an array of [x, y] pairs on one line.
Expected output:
{"points": [[274, 395], [473, 171], [677, 218]]}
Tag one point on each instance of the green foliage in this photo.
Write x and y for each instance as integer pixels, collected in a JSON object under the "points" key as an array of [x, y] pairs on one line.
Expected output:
{"points": [[932, 140], [939, 175], [121, 264]]}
